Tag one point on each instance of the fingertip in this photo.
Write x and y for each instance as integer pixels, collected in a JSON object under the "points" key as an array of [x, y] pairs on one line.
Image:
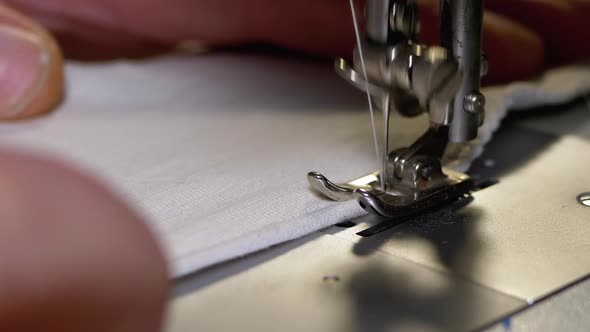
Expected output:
{"points": [[514, 52], [73, 256], [32, 79]]}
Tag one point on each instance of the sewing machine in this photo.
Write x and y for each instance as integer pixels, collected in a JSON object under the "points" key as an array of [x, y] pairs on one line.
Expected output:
{"points": [[460, 272], [401, 75]]}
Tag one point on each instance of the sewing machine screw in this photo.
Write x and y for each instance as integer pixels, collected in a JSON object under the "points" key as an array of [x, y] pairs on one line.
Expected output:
{"points": [[475, 103], [584, 199], [426, 172]]}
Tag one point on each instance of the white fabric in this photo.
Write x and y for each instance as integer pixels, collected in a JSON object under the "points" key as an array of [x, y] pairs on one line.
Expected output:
{"points": [[214, 150]]}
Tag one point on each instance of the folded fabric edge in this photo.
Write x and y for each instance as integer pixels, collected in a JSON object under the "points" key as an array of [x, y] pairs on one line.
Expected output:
{"points": [[266, 237]]}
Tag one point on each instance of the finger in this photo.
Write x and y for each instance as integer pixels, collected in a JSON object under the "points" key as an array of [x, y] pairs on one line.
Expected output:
{"points": [[563, 25], [319, 27], [82, 37], [513, 50], [73, 258], [95, 30], [94, 46], [31, 79], [114, 27]]}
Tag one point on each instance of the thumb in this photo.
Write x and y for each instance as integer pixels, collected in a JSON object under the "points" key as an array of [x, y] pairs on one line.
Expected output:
{"points": [[31, 68]]}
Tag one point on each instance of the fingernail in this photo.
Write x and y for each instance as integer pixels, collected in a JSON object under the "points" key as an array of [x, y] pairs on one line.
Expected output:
{"points": [[24, 66]]}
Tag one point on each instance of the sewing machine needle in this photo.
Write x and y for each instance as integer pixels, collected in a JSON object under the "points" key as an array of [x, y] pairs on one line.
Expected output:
{"points": [[386, 105]]}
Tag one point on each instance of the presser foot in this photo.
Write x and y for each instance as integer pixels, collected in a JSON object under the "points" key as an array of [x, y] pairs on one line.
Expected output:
{"points": [[394, 203], [341, 192]]}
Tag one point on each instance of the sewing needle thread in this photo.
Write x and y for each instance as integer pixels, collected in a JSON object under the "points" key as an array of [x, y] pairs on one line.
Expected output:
{"points": [[367, 86]]}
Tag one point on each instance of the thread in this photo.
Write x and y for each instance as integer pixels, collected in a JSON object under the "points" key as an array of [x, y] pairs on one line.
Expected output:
{"points": [[357, 32]]}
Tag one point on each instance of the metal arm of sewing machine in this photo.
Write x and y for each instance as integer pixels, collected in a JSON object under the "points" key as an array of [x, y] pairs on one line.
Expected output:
{"points": [[401, 75]]}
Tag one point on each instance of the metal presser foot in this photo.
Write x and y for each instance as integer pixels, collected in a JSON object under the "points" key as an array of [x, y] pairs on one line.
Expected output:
{"points": [[367, 191], [400, 74], [412, 180], [395, 205], [412, 183]]}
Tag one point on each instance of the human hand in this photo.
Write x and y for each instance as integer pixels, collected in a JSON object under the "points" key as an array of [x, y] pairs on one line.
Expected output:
{"points": [[521, 36], [31, 73], [73, 257]]}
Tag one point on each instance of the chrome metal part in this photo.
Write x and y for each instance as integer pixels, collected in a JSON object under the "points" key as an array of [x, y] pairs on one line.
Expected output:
{"points": [[400, 101], [584, 199], [390, 21], [377, 13], [414, 182], [403, 202], [404, 76], [355, 78], [404, 18], [466, 22], [419, 78], [391, 206], [341, 192], [475, 103]]}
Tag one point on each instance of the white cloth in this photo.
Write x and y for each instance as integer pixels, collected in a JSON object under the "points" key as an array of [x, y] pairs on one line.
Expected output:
{"points": [[214, 149]]}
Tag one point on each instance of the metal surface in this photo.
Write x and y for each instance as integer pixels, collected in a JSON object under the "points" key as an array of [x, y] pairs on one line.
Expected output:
{"points": [[350, 75], [322, 283], [566, 311], [526, 236], [447, 271], [467, 22], [377, 20]]}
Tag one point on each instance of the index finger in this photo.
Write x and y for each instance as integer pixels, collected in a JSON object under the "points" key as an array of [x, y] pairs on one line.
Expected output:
{"points": [[32, 80]]}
